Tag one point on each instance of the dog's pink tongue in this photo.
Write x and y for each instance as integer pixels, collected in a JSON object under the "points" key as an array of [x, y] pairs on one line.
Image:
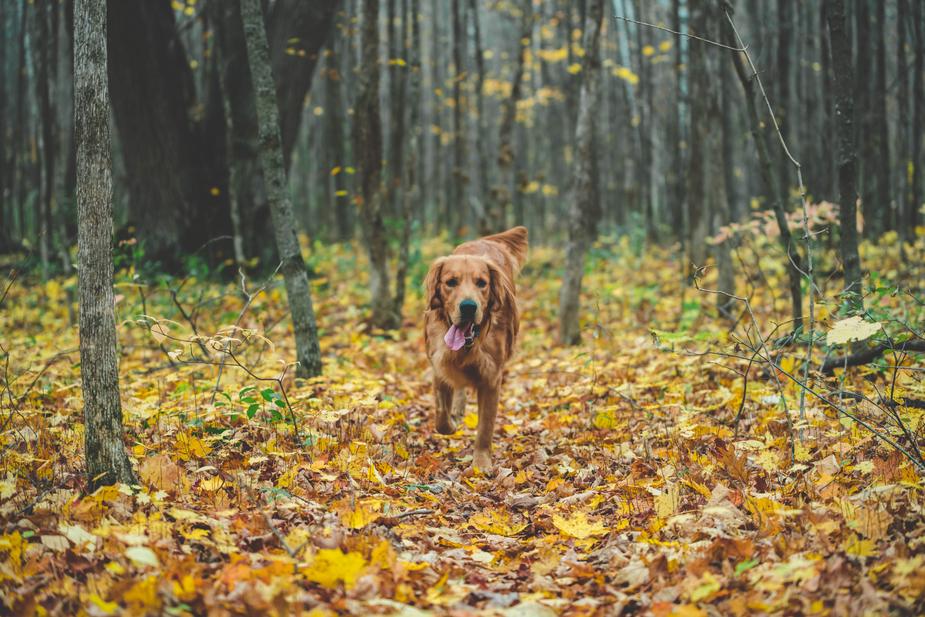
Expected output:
{"points": [[455, 338]]}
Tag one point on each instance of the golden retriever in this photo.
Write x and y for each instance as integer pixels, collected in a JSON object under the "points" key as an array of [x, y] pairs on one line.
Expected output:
{"points": [[470, 327]]}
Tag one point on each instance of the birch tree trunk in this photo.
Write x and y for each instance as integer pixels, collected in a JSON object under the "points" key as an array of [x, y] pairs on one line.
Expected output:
{"points": [[581, 224], [847, 152], [107, 461], [270, 155]]}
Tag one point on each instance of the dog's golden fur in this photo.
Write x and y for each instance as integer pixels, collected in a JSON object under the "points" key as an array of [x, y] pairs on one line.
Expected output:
{"points": [[481, 271]]}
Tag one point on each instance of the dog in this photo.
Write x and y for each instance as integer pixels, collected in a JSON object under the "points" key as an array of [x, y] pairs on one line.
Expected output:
{"points": [[470, 328]]}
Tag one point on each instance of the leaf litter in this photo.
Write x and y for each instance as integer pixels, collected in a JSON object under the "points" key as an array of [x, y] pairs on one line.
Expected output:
{"points": [[621, 486]]}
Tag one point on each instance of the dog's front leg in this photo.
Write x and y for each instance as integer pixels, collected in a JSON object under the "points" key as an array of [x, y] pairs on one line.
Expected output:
{"points": [[488, 409], [443, 394]]}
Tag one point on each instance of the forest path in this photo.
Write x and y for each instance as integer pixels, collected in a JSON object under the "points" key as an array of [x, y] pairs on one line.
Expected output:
{"points": [[619, 482]]}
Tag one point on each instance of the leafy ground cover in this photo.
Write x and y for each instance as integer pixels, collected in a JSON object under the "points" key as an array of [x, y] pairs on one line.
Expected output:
{"points": [[622, 485]]}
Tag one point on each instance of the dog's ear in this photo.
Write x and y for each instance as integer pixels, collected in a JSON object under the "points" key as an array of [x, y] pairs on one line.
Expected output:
{"points": [[502, 293], [432, 285]]}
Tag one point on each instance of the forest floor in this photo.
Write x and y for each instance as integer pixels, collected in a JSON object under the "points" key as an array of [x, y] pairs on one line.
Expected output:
{"points": [[621, 483]]}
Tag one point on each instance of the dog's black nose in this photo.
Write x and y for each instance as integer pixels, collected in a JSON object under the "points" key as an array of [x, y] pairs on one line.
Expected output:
{"points": [[467, 308]]}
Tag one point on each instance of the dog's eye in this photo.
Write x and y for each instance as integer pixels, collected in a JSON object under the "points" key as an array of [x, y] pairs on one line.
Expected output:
{"points": [[452, 283], [481, 283]]}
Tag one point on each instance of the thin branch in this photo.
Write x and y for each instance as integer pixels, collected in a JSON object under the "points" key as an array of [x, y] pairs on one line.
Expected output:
{"points": [[675, 32]]}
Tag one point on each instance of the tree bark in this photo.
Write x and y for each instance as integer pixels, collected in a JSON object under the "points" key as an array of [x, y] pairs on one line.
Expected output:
{"points": [[481, 140], [706, 183], [902, 130], [367, 148], [459, 200], [581, 222], [270, 155], [107, 461], [771, 183], [882, 209], [41, 41], [410, 185], [502, 194], [847, 153], [918, 116], [335, 137]]}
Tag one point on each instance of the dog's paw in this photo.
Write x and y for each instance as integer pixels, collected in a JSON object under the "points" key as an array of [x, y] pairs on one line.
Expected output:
{"points": [[445, 425], [481, 463]]}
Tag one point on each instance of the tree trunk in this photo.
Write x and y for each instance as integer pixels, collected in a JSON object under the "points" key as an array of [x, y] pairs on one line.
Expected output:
{"points": [[772, 186], [847, 154], [5, 243], [581, 225], [918, 117], [335, 141], [881, 209], [107, 461], [785, 17], [41, 42], [459, 200], [270, 155], [398, 88], [865, 139], [482, 137], [644, 127], [902, 130], [502, 194], [410, 185], [367, 148]]}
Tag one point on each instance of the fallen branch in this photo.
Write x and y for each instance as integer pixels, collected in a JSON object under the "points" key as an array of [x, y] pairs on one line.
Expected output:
{"points": [[868, 355]]}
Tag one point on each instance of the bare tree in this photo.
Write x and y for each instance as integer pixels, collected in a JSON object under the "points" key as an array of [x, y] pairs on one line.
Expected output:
{"points": [[847, 152], [581, 223], [107, 461], [270, 155]]}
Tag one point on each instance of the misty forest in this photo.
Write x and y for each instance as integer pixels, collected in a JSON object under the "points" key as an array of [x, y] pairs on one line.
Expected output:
{"points": [[245, 369]]}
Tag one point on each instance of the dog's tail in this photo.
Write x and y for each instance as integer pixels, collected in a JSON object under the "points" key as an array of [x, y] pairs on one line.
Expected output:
{"points": [[515, 240]]}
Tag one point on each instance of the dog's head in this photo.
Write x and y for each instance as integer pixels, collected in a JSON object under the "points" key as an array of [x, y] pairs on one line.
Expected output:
{"points": [[467, 289]]}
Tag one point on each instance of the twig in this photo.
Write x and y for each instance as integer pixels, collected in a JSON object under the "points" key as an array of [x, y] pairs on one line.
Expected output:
{"points": [[250, 297], [13, 274], [688, 35]]}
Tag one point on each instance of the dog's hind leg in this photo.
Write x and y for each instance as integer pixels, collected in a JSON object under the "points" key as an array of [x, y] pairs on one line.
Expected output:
{"points": [[443, 394]]}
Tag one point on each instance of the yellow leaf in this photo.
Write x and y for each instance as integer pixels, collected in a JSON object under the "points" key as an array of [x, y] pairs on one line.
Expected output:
{"points": [[212, 484], [705, 588], [626, 75], [336, 170], [108, 608], [189, 447], [330, 567], [854, 545], [574, 68], [496, 521], [668, 502], [365, 513], [851, 329], [578, 525], [471, 420], [648, 50], [664, 46], [142, 556]]}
